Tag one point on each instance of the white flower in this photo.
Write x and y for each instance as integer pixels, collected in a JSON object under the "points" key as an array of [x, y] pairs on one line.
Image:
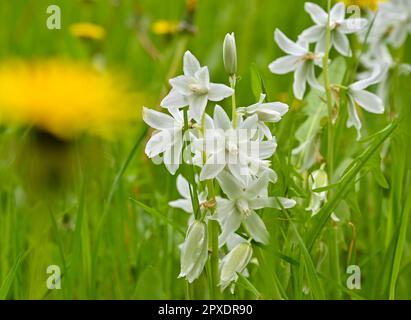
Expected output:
{"points": [[194, 251], [299, 60], [168, 137], [235, 148], [185, 204], [366, 100], [194, 89], [340, 27], [266, 112], [234, 262], [241, 204]]}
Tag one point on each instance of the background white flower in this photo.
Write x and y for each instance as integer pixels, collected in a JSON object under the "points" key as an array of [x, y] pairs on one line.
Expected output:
{"points": [[299, 60], [194, 89], [340, 27]]}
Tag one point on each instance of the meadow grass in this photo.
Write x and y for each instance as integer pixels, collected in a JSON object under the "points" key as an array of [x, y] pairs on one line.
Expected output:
{"points": [[111, 230]]}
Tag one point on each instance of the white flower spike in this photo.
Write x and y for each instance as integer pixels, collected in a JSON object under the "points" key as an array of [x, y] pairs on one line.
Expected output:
{"points": [[194, 89]]}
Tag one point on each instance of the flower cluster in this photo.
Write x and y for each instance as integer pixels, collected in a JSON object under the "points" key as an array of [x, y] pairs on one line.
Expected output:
{"points": [[233, 152], [330, 31]]}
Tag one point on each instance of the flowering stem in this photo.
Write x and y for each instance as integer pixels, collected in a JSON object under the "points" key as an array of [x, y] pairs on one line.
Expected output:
{"points": [[327, 87], [233, 82]]}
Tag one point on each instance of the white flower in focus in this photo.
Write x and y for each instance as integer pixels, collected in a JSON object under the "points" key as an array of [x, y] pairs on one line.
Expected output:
{"points": [[194, 89], [299, 60], [194, 251], [167, 138], [266, 112], [241, 204], [185, 204], [340, 27], [238, 148], [366, 100], [233, 263]]}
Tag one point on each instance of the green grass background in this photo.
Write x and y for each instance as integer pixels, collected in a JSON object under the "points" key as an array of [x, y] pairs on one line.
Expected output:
{"points": [[109, 247]]}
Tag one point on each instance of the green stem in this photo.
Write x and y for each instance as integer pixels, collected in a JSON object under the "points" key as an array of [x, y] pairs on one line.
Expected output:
{"points": [[327, 87], [233, 82]]}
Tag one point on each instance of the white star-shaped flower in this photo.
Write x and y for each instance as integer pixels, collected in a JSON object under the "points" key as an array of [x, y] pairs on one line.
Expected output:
{"points": [[365, 99], [194, 89], [299, 60], [340, 27], [241, 204]]}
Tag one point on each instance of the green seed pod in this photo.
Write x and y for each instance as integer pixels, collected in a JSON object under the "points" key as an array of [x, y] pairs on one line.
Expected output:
{"points": [[230, 54], [194, 251]]}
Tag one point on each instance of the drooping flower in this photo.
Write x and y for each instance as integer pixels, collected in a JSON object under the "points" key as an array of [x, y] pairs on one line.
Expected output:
{"points": [[266, 112], [368, 101], [194, 89], [299, 60], [340, 27], [234, 263], [317, 179], [167, 140], [241, 204], [230, 54], [194, 251]]}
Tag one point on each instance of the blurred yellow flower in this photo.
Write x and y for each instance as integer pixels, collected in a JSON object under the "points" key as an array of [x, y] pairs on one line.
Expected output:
{"points": [[63, 98], [365, 4], [86, 30], [165, 27]]}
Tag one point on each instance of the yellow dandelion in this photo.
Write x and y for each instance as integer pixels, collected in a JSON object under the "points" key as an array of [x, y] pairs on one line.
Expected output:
{"points": [[365, 4], [87, 30], [165, 27], [65, 99]]}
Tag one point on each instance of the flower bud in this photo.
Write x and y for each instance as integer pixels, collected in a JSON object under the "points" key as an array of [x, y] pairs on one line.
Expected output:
{"points": [[318, 179], [230, 54], [194, 251], [235, 262]]}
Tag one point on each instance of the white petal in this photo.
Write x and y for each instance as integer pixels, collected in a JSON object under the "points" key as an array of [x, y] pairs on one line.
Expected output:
{"points": [[183, 187], [221, 119], [213, 166], [321, 45], [174, 100], [183, 204], [203, 77], [197, 106], [180, 85], [172, 156], [337, 13], [312, 79], [191, 64], [256, 228], [318, 15], [249, 123], [369, 101], [230, 225], [287, 45], [313, 34], [267, 148], [218, 92], [353, 118], [229, 185], [284, 65], [272, 202], [257, 186], [352, 25], [377, 76], [341, 43], [158, 120], [157, 144], [300, 81]]}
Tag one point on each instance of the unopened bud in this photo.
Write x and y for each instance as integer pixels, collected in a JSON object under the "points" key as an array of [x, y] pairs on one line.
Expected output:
{"points": [[230, 54], [194, 251], [235, 262]]}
